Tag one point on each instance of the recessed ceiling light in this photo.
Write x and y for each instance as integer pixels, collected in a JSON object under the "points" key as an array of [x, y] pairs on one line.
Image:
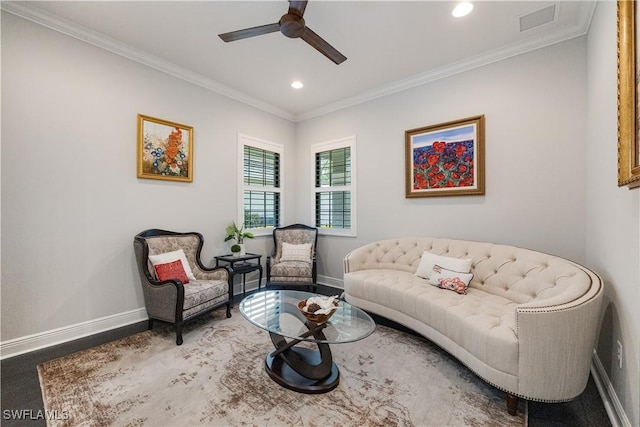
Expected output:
{"points": [[462, 9], [297, 85]]}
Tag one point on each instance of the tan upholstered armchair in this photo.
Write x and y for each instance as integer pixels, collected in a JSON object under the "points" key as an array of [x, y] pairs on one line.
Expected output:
{"points": [[167, 297], [294, 259]]}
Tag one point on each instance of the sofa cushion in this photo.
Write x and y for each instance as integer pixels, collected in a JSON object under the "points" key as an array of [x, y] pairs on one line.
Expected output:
{"points": [[200, 292], [482, 323], [295, 271]]}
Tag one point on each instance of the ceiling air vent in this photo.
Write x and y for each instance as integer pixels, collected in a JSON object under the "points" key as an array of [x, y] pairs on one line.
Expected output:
{"points": [[537, 18]]}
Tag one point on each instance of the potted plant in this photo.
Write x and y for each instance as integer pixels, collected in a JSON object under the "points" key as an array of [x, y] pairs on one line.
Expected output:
{"points": [[236, 249], [237, 234]]}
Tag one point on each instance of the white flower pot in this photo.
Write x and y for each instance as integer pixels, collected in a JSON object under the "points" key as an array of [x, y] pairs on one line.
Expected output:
{"points": [[242, 251]]}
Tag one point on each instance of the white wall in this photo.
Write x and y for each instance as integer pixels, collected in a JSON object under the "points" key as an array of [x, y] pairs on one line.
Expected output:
{"points": [[535, 109], [71, 202], [613, 220]]}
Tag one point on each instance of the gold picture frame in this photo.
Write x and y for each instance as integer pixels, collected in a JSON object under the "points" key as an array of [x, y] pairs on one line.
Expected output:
{"points": [[165, 150], [628, 126], [446, 159]]}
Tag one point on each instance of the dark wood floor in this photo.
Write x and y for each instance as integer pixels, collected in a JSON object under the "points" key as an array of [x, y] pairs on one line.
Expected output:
{"points": [[21, 395]]}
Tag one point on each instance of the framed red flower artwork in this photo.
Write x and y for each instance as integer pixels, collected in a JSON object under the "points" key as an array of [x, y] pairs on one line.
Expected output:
{"points": [[446, 159]]}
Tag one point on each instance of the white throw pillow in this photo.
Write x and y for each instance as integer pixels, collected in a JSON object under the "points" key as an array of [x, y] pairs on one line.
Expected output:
{"points": [[296, 252], [448, 279], [172, 256], [429, 260]]}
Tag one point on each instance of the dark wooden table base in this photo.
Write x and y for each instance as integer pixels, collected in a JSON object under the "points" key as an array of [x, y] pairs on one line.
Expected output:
{"points": [[283, 374]]}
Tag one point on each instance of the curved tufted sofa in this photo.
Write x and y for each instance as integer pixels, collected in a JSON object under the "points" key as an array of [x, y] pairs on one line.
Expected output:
{"points": [[527, 324]]}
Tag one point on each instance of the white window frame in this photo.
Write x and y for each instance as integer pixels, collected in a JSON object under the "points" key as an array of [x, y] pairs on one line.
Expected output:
{"points": [[262, 145], [350, 142]]}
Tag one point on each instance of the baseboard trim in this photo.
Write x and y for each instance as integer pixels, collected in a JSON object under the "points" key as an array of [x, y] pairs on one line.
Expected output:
{"points": [[612, 405], [252, 285], [331, 281], [29, 343]]}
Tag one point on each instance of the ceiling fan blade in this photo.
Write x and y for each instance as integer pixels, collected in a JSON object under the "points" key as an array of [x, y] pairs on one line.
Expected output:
{"points": [[250, 32], [322, 46], [297, 7]]}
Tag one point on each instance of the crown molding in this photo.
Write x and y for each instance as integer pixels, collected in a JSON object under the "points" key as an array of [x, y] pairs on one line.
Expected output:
{"points": [[467, 64], [39, 16], [34, 14]]}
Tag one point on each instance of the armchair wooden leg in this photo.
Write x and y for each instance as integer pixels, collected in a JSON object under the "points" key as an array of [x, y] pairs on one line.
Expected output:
{"points": [[150, 324], [228, 309], [512, 404], [178, 334]]}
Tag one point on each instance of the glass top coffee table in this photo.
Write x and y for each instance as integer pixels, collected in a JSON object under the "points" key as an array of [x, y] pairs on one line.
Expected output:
{"points": [[300, 368]]}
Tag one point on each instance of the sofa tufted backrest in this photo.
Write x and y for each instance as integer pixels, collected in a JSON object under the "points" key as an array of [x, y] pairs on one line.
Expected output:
{"points": [[521, 275]]}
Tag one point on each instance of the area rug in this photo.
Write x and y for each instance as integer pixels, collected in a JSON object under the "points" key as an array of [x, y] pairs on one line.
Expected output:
{"points": [[217, 378]]}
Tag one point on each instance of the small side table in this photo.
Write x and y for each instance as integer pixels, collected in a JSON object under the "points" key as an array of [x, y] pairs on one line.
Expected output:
{"points": [[241, 265]]}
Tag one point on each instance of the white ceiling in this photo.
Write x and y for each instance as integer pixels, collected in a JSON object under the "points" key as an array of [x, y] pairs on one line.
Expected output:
{"points": [[390, 45]]}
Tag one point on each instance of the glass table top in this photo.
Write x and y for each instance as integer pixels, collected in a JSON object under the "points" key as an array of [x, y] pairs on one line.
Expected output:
{"points": [[277, 312]]}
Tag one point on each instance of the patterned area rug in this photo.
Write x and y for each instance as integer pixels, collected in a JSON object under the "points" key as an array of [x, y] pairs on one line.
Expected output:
{"points": [[217, 378]]}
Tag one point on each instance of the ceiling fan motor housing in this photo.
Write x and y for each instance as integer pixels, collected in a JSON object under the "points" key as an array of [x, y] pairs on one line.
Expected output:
{"points": [[292, 25]]}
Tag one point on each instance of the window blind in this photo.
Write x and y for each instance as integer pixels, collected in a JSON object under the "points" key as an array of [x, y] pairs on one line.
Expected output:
{"points": [[333, 209], [333, 201], [261, 209], [261, 167], [333, 168]]}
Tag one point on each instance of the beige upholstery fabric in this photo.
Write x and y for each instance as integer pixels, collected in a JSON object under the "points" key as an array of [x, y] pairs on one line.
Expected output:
{"points": [[189, 244], [292, 272], [294, 237], [208, 290], [173, 301], [481, 322], [198, 300], [505, 328]]}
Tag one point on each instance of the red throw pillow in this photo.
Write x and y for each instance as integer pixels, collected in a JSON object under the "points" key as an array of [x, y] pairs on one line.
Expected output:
{"points": [[172, 270]]}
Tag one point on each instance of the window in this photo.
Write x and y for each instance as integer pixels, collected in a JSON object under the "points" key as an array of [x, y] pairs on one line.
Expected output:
{"points": [[334, 179], [260, 202]]}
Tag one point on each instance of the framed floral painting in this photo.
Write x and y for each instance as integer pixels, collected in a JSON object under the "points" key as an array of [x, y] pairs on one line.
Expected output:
{"points": [[446, 159], [165, 150], [628, 99]]}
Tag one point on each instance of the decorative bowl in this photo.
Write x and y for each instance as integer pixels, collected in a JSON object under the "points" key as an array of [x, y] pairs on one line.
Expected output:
{"points": [[316, 318]]}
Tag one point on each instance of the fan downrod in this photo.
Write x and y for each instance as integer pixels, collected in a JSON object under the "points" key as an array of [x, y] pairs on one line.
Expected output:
{"points": [[292, 25]]}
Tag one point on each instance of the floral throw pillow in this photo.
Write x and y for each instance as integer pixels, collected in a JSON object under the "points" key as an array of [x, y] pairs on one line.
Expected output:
{"points": [[171, 270], [449, 279], [428, 261]]}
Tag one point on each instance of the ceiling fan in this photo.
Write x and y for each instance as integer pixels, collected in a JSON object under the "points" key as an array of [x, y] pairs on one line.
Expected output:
{"points": [[292, 25]]}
